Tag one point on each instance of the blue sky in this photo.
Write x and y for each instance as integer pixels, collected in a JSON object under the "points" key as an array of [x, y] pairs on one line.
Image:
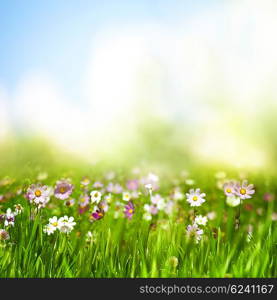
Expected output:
{"points": [[93, 61], [56, 35]]}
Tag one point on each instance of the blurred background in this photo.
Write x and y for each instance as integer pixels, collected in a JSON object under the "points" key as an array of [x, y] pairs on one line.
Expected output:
{"points": [[176, 81]]}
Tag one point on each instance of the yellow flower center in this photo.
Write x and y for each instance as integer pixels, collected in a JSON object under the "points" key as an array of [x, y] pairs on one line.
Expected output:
{"points": [[55, 224], [229, 190], [38, 193], [96, 195], [130, 211], [194, 198], [62, 190], [243, 191]]}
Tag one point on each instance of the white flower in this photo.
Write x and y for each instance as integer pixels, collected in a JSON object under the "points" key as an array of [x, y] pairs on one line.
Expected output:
{"points": [[156, 199], [150, 209], [195, 197], [199, 220], [193, 231], [233, 201], [177, 195], [245, 190], [9, 218], [95, 196], [18, 209], [38, 194], [108, 198], [149, 187], [126, 196], [169, 207], [146, 207], [229, 188], [54, 222], [49, 229], [161, 204], [66, 224], [152, 177]]}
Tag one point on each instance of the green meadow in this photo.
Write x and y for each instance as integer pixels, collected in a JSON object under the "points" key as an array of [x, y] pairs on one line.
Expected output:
{"points": [[136, 247]]}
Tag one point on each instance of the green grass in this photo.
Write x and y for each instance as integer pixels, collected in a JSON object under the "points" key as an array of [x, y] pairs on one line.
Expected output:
{"points": [[136, 248]]}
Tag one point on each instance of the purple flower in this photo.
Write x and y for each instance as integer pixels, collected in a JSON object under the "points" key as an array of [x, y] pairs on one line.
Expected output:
{"points": [[63, 189], [132, 185], [244, 191], [129, 210], [97, 214]]}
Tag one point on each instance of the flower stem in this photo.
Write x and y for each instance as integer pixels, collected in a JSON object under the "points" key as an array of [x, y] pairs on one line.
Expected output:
{"points": [[237, 221]]}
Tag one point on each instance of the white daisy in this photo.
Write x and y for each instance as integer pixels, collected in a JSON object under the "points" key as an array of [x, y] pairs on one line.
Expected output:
{"points": [[66, 224], [195, 197], [126, 196], [49, 229], [54, 222], [199, 220], [95, 196], [38, 194]]}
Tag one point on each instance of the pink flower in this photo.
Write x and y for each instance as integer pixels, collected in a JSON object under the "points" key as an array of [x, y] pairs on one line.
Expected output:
{"points": [[244, 191], [268, 197], [63, 189], [193, 231], [38, 194], [132, 185], [114, 188], [229, 188]]}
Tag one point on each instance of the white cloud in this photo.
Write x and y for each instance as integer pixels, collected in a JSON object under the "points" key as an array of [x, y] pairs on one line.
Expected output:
{"points": [[217, 63]]}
